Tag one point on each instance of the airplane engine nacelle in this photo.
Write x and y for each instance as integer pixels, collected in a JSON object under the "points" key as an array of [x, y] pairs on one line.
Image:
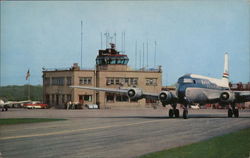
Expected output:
{"points": [[227, 97], [165, 97], [135, 93], [1, 102]]}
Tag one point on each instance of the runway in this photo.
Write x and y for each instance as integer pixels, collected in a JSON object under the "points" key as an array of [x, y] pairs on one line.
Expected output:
{"points": [[123, 133]]}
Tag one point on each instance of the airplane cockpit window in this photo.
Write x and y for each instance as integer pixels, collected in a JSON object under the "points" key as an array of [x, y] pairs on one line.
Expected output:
{"points": [[188, 80], [180, 80]]}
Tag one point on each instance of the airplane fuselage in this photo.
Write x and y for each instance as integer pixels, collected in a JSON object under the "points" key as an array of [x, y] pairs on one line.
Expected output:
{"points": [[198, 89]]}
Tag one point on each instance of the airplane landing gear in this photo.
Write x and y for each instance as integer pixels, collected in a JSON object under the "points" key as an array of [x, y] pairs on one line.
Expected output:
{"points": [[174, 112], [230, 113], [185, 112], [233, 111], [171, 113], [5, 108], [236, 113], [177, 113]]}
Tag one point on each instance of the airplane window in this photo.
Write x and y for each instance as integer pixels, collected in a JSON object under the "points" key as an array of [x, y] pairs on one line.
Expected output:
{"points": [[187, 80]]}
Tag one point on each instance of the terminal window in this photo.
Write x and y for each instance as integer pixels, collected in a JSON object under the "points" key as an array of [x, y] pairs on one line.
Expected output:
{"points": [[68, 97], [58, 81], [121, 98], [46, 81], [69, 81], [151, 81], [63, 98], [110, 97], [85, 80], [53, 98], [87, 98], [121, 81]]}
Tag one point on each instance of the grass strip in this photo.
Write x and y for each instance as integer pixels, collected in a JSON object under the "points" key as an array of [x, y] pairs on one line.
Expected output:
{"points": [[12, 121], [233, 145]]}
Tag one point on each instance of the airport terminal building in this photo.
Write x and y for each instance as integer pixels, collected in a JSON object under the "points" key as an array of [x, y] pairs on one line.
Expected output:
{"points": [[112, 71]]}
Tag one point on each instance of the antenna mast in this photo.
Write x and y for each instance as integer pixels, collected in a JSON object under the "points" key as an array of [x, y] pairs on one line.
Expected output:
{"points": [[106, 35], [155, 55], [115, 37], [101, 40], [147, 53], [124, 43], [140, 59], [135, 54], [143, 54], [81, 43]]}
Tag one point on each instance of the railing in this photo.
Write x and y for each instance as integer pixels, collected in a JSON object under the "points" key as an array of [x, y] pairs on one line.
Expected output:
{"points": [[65, 69], [158, 69], [56, 69]]}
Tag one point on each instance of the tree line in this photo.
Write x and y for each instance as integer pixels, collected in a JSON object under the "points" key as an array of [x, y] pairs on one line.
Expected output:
{"points": [[18, 93]]}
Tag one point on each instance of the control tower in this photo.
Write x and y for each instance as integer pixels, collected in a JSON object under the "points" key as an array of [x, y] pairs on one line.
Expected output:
{"points": [[111, 59]]}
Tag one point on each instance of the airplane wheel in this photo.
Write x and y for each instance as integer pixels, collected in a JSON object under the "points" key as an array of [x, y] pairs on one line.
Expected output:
{"points": [[2, 109], [185, 114], [177, 113], [236, 113], [230, 113], [171, 113]]}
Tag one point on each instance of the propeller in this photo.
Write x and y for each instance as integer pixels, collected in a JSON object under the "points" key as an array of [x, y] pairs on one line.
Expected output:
{"points": [[131, 93], [163, 96], [224, 96]]}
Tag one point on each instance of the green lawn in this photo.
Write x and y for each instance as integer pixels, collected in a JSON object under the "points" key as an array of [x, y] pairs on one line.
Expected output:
{"points": [[233, 145], [11, 121]]}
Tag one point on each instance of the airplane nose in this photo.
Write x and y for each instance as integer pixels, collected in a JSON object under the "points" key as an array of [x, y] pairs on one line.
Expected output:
{"points": [[181, 93]]}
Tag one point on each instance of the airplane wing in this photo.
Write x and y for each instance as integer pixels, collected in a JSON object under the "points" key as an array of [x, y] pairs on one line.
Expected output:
{"points": [[212, 96], [242, 96], [17, 102], [121, 90], [154, 96], [112, 90]]}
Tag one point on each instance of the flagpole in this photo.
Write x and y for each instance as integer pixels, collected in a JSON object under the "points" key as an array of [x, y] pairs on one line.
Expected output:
{"points": [[29, 89], [28, 78]]}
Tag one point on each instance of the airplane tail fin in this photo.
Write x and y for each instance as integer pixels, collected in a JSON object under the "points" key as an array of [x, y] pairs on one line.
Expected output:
{"points": [[225, 76]]}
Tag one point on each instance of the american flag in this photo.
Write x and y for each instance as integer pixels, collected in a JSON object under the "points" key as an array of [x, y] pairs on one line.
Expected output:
{"points": [[27, 74]]}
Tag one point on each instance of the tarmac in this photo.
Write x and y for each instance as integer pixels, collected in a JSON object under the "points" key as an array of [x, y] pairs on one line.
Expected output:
{"points": [[112, 133]]}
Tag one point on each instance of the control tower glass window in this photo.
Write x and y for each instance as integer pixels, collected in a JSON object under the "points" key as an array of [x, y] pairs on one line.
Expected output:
{"points": [[111, 56]]}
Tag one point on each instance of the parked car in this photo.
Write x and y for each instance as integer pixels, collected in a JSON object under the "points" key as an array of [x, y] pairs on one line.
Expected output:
{"points": [[35, 105], [92, 106]]}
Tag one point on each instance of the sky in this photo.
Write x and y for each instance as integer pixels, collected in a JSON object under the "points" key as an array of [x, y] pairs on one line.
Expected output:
{"points": [[191, 36]]}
